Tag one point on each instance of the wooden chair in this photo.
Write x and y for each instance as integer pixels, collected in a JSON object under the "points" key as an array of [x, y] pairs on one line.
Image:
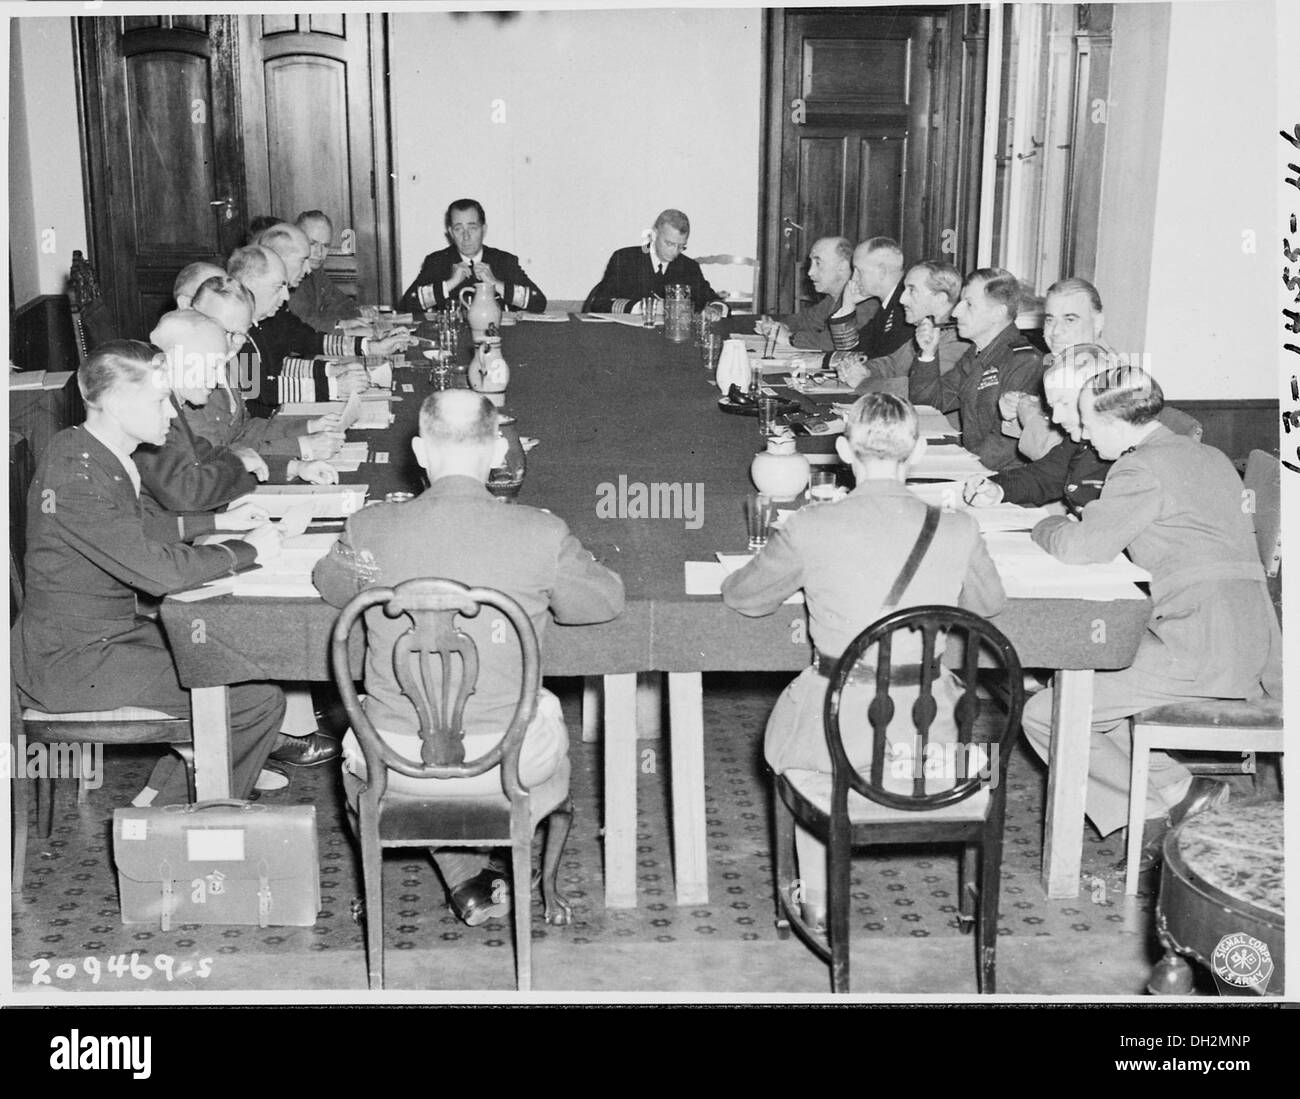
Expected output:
{"points": [[423, 662], [848, 808], [59, 731], [1231, 729], [92, 321], [725, 259]]}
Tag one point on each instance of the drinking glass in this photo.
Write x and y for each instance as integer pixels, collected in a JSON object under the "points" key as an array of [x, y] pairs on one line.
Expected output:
{"points": [[759, 515], [648, 311], [710, 349], [678, 313], [822, 488], [767, 413]]}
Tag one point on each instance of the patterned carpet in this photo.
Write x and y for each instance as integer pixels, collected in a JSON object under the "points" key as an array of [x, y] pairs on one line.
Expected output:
{"points": [[68, 910]]}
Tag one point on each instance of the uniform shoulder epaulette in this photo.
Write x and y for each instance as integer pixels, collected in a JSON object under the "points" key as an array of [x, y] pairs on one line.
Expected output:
{"points": [[1024, 345]]}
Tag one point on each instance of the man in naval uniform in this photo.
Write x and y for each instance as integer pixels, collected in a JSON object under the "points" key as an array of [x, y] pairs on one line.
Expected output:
{"points": [[638, 272]]}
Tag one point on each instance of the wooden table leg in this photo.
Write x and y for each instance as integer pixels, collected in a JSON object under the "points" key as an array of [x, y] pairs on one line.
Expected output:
{"points": [[1067, 782], [620, 791], [209, 715], [649, 705], [592, 707], [686, 727]]}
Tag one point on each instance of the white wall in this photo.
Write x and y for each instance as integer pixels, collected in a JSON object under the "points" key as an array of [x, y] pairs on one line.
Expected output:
{"points": [[1211, 323], [609, 116], [45, 185]]}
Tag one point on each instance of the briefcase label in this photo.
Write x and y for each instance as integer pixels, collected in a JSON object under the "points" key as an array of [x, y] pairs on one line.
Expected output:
{"points": [[135, 828], [214, 844]]}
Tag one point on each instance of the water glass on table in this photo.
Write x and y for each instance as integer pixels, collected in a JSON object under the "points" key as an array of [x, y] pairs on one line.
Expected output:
{"points": [[759, 513], [767, 413], [710, 349], [648, 311], [822, 488]]}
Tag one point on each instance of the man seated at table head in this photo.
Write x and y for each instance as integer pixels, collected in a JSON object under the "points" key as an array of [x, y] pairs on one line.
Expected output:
{"points": [[1176, 507], [999, 361], [467, 261], [642, 271], [457, 529], [830, 266], [317, 300], [80, 643], [284, 349], [290, 446], [930, 291], [190, 278], [877, 273], [1072, 316], [846, 557]]}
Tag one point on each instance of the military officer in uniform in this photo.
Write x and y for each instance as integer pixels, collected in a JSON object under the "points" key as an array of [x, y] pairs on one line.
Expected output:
{"points": [[457, 529], [1176, 506], [830, 266], [79, 643], [467, 261], [316, 300], [190, 278], [1000, 361], [284, 349], [930, 290], [846, 556], [635, 273], [877, 273]]}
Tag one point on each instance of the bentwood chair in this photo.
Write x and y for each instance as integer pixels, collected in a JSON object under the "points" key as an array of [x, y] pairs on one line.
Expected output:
{"points": [[1225, 732], [961, 804], [436, 663], [738, 304], [92, 321]]}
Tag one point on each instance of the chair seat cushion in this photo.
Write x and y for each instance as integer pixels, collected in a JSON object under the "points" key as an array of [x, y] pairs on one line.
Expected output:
{"points": [[1266, 713], [122, 713], [815, 786]]}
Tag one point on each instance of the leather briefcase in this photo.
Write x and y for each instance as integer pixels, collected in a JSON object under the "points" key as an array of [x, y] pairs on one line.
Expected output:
{"points": [[218, 862]]}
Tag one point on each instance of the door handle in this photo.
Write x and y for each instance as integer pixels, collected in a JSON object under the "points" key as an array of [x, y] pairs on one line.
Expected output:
{"points": [[229, 203], [790, 227]]}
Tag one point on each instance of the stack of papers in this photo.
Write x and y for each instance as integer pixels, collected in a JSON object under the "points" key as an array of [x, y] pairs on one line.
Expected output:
{"points": [[632, 320], [350, 456], [544, 318], [705, 577], [327, 501], [1030, 572], [374, 414], [289, 575]]}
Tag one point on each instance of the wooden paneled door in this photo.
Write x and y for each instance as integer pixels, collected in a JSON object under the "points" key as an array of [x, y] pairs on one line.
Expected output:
{"points": [[193, 124], [855, 134], [162, 154], [316, 135]]}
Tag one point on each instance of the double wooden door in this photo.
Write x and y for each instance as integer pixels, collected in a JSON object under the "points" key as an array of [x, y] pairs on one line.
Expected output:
{"points": [[194, 124]]}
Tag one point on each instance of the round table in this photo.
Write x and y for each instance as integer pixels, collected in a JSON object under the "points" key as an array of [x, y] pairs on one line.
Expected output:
{"points": [[1223, 901]]}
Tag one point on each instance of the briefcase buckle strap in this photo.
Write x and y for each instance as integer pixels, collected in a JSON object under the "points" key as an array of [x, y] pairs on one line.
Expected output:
{"points": [[263, 895], [168, 895]]}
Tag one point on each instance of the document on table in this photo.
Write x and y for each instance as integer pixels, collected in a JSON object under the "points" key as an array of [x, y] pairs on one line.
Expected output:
{"points": [[350, 456], [1030, 572], [328, 501], [631, 320], [705, 577], [289, 574], [946, 462], [543, 318]]}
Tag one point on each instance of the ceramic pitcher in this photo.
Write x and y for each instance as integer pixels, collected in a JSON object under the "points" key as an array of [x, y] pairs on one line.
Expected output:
{"points": [[482, 312]]}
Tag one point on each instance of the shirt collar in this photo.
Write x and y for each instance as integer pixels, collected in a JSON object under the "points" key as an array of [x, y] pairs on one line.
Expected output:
{"points": [[456, 485], [127, 463], [477, 258]]}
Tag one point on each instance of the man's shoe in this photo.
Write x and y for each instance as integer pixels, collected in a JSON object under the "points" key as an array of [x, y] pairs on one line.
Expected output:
{"points": [[1203, 794], [305, 751], [485, 896]]}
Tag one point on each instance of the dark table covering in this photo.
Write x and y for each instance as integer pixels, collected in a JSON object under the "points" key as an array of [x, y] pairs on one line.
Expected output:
{"points": [[608, 401]]}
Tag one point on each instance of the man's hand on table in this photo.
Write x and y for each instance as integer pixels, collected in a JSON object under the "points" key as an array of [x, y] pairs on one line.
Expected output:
{"points": [[851, 367], [981, 492], [253, 462], [315, 472], [266, 540], [459, 274], [484, 273], [392, 344], [314, 447], [329, 422], [772, 330], [244, 516]]}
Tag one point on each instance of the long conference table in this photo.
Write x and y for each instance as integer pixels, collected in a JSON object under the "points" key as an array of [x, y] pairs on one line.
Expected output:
{"points": [[613, 407]]}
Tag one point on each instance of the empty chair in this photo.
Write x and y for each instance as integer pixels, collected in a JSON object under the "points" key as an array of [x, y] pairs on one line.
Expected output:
{"points": [[92, 320], [739, 304]]}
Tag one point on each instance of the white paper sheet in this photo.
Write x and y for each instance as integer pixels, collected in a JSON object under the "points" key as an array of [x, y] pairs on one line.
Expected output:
{"points": [[289, 574], [328, 501], [543, 318]]}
